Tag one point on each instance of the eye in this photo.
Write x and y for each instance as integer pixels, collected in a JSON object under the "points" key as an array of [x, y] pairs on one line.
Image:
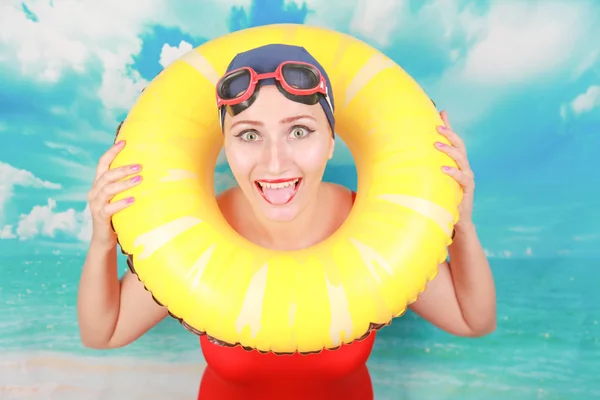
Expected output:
{"points": [[248, 136], [300, 132]]}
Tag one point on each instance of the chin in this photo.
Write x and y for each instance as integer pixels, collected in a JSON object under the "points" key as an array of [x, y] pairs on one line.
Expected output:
{"points": [[280, 214]]}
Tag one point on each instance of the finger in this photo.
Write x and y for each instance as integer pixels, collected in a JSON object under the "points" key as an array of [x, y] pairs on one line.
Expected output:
{"points": [[455, 153], [114, 175], [465, 181], [112, 189], [444, 116], [112, 208], [452, 138], [108, 157]]}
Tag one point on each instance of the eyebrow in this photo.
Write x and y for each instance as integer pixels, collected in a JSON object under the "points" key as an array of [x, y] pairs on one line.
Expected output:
{"points": [[283, 121], [247, 122], [296, 118]]}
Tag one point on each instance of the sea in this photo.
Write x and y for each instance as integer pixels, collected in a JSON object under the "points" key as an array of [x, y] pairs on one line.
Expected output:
{"points": [[546, 346]]}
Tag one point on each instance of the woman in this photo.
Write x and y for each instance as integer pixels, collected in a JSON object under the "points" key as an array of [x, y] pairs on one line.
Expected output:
{"points": [[278, 137]]}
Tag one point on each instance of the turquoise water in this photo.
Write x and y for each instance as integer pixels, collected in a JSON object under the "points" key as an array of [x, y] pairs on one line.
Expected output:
{"points": [[547, 345]]}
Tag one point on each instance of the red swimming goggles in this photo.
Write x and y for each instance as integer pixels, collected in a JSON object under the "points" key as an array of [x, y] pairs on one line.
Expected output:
{"points": [[298, 81]]}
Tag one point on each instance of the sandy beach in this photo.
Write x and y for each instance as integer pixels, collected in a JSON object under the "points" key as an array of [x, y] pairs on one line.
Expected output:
{"points": [[65, 377]]}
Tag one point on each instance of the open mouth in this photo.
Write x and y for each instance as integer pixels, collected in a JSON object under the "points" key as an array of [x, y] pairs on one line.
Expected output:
{"points": [[278, 192]]}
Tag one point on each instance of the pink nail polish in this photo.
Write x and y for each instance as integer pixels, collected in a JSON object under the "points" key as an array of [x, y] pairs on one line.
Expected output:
{"points": [[136, 167], [445, 168], [136, 179], [129, 200], [120, 142], [439, 144]]}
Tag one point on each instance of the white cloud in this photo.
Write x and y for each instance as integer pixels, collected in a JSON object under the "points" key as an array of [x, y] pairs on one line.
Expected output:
{"points": [[454, 54], [377, 20], [587, 237], [586, 101], [509, 43], [587, 63], [582, 103], [46, 221], [121, 84], [563, 111], [523, 39], [73, 150], [73, 169], [75, 193], [374, 21], [11, 177], [6, 232], [169, 54], [512, 43], [70, 35], [333, 14], [525, 229], [84, 232], [206, 18]]}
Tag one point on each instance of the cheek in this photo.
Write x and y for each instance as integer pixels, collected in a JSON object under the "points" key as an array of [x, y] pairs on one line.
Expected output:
{"points": [[313, 159], [240, 161]]}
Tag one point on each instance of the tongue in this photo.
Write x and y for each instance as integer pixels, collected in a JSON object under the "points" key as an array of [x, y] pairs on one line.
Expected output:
{"points": [[278, 196]]}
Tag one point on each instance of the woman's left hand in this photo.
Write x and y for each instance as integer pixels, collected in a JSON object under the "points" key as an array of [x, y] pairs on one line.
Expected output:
{"points": [[463, 174]]}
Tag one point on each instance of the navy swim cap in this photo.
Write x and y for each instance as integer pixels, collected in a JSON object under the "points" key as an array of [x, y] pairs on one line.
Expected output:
{"points": [[267, 58]]}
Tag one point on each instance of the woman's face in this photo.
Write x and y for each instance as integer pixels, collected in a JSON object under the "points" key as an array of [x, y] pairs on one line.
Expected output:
{"points": [[277, 150]]}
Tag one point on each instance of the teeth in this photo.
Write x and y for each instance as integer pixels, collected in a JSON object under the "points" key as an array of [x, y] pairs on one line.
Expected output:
{"points": [[277, 185]]}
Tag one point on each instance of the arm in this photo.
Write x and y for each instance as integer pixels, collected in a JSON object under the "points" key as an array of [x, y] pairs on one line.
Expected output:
{"points": [[112, 313], [462, 298]]}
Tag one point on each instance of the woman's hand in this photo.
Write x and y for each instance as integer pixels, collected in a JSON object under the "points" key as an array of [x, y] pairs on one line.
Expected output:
{"points": [[107, 184], [463, 175]]}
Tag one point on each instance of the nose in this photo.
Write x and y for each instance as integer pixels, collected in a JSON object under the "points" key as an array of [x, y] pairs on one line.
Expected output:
{"points": [[275, 156]]}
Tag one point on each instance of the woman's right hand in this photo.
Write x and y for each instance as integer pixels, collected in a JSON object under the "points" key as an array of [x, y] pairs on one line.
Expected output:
{"points": [[107, 184]]}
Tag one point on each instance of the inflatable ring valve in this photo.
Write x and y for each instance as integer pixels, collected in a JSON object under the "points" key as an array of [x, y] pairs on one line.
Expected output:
{"points": [[220, 284]]}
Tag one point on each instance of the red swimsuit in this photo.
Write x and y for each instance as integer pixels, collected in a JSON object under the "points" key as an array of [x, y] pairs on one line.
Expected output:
{"points": [[235, 373]]}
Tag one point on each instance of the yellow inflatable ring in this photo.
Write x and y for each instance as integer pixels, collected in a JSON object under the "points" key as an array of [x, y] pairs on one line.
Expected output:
{"points": [[218, 283]]}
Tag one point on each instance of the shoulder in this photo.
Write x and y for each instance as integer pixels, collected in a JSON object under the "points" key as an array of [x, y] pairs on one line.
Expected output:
{"points": [[338, 194], [228, 196], [231, 203], [337, 202]]}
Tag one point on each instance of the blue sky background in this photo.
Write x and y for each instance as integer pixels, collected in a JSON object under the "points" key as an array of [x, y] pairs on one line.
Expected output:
{"points": [[520, 80]]}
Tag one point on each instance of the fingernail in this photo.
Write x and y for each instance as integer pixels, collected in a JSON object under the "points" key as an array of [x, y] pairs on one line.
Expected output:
{"points": [[129, 200], [445, 168], [136, 179], [120, 142], [136, 167], [439, 144]]}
